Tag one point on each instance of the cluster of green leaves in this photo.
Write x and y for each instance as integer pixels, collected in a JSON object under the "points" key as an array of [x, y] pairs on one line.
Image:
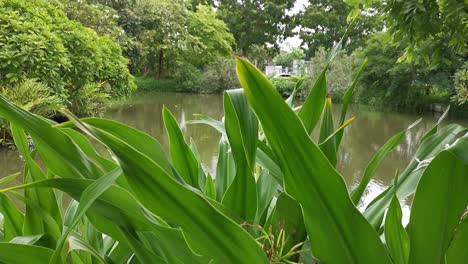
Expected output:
{"points": [[276, 197], [38, 41], [461, 85]]}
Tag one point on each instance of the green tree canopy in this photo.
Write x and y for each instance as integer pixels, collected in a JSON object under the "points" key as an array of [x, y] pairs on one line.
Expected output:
{"points": [[325, 22], [257, 22], [436, 30]]}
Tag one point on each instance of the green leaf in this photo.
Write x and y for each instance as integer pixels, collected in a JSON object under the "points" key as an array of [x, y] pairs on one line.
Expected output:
{"points": [[59, 154], [19, 254], [242, 132], [457, 253], [329, 215], [7, 179], [206, 230], [311, 110], [88, 196], [13, 219], [395, 234], [326, 130], [266, 190], [225, 169], [287, 218], [374, 164], [182, 156], [409, 178], [441, 198], [210, 189], [346, 100]]}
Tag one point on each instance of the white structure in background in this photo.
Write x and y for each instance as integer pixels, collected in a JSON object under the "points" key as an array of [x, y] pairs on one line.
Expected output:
{"points": [[299, 67], [273, 70]]}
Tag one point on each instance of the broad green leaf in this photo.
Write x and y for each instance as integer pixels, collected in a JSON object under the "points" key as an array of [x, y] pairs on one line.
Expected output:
{"points": [[242, 132], [395, 234], [210, 189], [326, 130], [409, 178], [202, 119], [13, 219], [182, 156], [88, 196], [287, 218], [266, 189], [44, 198], [225, 169], [26, 240], [7, 179], [20, 254], [115, 210], [206, 230], [57, 151], [297, 87], [346, 100], [330, 217], [76, 243], [139, 140], [457, 253], [267, 163], [201, 172], [374, 164], [311, 110], [439, 202]]}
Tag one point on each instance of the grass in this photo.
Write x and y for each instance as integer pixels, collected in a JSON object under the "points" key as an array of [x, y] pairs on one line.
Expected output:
{"points": [[158, 85]]}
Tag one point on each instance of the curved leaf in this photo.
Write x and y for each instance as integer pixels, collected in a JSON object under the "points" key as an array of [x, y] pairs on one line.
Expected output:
{"points": [[330, 217]]}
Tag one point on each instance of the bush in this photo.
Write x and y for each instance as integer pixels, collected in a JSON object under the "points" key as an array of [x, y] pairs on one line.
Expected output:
{"points": [[188, 78], [460, 80], [91, 100], [219, 76], [38, 41], [285, 86]]}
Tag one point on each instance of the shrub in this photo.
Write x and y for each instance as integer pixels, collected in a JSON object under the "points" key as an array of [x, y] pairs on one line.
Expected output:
{"points": [[188, 78], [219, 76], [38, 41], [460, 80], [91, 100], [285, 86]]}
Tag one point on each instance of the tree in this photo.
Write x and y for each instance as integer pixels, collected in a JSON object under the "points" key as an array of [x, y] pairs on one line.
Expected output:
{"points": [[257, 22], [209, 39], [436, 31], [324, 23]]}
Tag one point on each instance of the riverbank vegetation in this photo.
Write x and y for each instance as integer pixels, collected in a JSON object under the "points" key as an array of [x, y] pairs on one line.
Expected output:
{"points": [[188, 46], [274, 198]]}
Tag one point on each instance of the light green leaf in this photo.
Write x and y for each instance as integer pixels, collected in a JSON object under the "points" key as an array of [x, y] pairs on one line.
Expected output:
{"points": [[330, 217]]}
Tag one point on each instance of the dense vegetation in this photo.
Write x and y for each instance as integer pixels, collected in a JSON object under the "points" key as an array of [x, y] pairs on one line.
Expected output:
{"points": [[39, 43], [276, 196]]}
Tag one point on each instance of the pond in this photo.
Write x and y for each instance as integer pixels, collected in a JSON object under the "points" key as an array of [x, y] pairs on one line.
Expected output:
{"points": [[369, 131]]}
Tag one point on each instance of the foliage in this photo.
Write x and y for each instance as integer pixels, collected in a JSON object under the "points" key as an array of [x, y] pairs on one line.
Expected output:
{"points": [[340, 72], [400, 86], [38, 41], [91, 100], [211, 39], [323, 23], [286, 58], [283, 200], [188, 78], [219, 76], [34, 96], [461, 85], [436, 31], [271, 20], [285, 86]]}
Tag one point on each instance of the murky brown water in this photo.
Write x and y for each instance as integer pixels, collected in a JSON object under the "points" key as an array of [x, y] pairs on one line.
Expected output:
{"points": [[362, 139]]}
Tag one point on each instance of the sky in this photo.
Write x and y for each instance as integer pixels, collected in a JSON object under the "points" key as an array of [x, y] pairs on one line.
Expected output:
{"points": [[294, 41]]}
